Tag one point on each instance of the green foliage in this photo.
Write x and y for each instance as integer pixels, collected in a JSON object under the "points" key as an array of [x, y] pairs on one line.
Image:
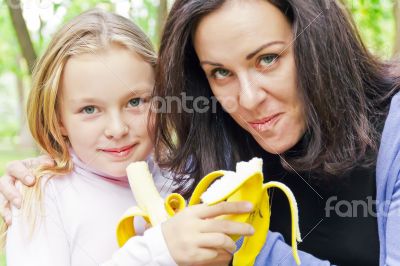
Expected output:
{"points": [[2, 258], [375, 21], [7, 156], [76, 7], [145, 16]]}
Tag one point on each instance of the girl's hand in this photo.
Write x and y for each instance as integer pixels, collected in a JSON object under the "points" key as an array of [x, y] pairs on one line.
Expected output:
{"points": [[18, 171], [193, 237]]}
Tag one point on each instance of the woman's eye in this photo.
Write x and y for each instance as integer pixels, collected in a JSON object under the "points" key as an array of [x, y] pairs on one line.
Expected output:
{"points": [[221, 73], [89, 110], [135, 102], [267, 60]]}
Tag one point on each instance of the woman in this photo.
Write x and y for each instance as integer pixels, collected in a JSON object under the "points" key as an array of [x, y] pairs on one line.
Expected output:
{"points": [[295, 86]]}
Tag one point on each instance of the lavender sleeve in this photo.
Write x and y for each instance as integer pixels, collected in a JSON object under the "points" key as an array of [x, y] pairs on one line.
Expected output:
{"points": [[276, 252], [388, 186]]}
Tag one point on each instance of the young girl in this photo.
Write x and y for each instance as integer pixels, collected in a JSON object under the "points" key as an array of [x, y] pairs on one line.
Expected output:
{"points": [[88, 109]]}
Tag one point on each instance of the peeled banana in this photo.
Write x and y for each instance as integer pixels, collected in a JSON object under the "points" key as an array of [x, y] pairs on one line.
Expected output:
{"points": [[246, 184]]}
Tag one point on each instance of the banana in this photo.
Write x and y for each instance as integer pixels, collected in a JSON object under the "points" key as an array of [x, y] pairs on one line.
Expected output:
{"points": [[246, 184]]}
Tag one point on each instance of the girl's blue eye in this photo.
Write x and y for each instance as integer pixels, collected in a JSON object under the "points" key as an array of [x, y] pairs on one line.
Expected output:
{"points": [[135, 102], [268, 60], [89, 110], [221, 73]]}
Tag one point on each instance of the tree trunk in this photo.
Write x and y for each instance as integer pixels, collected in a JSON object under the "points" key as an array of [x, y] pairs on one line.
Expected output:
{"points": [[161, 18], [26, 141], [397, 33], [24, 40]]}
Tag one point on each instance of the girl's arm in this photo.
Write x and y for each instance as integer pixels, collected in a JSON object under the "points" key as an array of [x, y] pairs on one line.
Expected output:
{"points": [[149, 249], [48, 244]]}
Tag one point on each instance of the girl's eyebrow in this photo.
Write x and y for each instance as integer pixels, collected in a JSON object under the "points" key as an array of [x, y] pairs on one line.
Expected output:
{"points": [[131, 93], [139, 91], [85, 100]]}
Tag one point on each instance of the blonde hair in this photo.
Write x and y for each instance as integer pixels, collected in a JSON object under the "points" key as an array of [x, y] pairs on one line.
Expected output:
{"points": [[87, 33]]}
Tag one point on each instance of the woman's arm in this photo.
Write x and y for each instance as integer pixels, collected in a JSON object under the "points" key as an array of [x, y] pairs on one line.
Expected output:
{"points": [[388, 186], [18, 171], [276, 252], [393, 227], [191, 237]]}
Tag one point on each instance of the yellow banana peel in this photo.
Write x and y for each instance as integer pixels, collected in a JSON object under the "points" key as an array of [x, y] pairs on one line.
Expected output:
{"points": [[246, 184]]}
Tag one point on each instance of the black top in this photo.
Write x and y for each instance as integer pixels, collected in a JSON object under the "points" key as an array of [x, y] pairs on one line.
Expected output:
{"points": [[337, 219]]}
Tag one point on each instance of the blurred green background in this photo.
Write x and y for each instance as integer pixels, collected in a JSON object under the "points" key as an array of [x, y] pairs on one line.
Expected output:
{"points": [[31, 23]]}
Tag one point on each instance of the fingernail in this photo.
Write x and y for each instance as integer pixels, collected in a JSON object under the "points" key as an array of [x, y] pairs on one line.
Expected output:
{"points": [[8, 220], [17, 202], [30, 179], [233, 251], [249, 206], [251, 230]]}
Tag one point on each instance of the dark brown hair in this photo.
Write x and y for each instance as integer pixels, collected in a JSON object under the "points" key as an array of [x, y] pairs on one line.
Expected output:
{"points": [[345, 90]]}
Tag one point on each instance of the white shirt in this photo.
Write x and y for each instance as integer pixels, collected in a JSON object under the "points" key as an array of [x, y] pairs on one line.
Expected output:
{"points": [[78, 224]]}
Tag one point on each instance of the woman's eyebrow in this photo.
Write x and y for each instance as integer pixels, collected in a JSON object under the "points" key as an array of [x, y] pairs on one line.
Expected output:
{"points": [[252, 54], [211, 63]]}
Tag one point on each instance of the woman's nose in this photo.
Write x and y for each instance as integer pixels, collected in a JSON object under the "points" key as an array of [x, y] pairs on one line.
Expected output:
{"points": [[251, 94]]}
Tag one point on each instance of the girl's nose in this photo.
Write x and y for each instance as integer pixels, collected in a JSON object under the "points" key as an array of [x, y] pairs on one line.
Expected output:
{"points": [[116, 128]]}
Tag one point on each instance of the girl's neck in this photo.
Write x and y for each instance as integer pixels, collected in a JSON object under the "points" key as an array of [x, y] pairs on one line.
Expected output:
{"points": [[85, 169]]}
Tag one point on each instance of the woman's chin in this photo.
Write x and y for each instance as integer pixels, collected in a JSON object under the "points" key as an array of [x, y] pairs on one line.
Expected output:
{"points": [[276, 146]]}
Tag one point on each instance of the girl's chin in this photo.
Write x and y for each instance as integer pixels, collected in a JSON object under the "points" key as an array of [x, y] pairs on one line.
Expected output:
{"points": [[120, 172]]}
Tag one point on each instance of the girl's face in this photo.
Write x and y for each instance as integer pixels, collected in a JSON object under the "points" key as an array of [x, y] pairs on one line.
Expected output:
{"points": [[104, 108], [245, 49]]}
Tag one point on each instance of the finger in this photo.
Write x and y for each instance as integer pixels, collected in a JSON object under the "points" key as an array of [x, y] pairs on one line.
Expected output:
{"points": [[5, 209], [147, 226], [201, 255], [6, 213], [224, 207], [227, 227], [43, 160], [217, 241], [9, 190], [20, 171], [223, 258]]}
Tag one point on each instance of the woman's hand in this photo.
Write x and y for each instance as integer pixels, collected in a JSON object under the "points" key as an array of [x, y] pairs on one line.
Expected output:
{"points": [[193, 237], [18, 171]]}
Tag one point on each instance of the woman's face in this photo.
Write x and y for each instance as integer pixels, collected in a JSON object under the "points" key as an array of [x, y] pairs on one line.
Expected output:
{"points": [[245, 49]]}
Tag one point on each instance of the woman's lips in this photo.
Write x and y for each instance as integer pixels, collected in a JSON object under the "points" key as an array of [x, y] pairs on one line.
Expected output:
{"points": [[265, 123], [119, 152]]}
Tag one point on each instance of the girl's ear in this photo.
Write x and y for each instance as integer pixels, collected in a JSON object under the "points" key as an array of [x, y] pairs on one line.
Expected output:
{"points": [[63, 130]]}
